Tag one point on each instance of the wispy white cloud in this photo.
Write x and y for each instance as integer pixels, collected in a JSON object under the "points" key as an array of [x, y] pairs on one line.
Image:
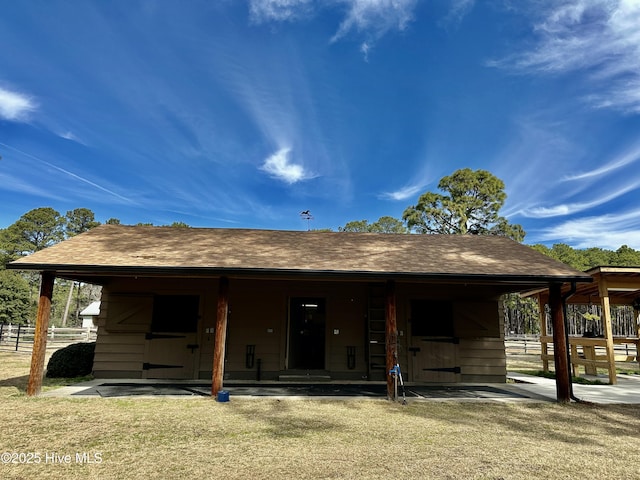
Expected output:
{"points": [[365, 48], [19, 185], [280, 166], [278, 10], [371, 18], [630, 156], [573, 208], [68, 173], [15, 106], [599, 37], [404, 193], [457, 11], [537, 141], [592, 184], [375, 17], [606, 231], [68, 135]]}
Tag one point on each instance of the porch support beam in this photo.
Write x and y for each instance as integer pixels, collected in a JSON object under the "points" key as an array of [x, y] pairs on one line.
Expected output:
{"points": [[544, 348], [560, 358], [391, 335], [603, 286], [220, 336], [40, 334]]}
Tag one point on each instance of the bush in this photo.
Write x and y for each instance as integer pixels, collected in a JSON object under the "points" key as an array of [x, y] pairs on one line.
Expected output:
{"points": [[72, 361]]}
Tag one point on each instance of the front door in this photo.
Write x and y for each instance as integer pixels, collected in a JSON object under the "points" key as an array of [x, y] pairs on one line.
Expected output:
{"points": [[172, 349], [307, 322]]}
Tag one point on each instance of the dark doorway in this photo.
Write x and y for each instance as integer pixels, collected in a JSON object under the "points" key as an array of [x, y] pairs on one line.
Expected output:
{"points": [[307, 321]]}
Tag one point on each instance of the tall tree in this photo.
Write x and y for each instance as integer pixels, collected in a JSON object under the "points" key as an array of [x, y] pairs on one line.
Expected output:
{"points": [[9, 249], [35, 230], [469, 204], [15, 303], [626, 256], [79, 220]]}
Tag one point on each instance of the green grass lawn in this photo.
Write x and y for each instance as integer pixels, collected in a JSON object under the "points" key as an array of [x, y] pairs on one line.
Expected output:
{"points": [[266, 438]]}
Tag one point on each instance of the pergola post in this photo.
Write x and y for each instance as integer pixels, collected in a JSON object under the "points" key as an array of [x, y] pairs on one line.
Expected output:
{"points": [[220, 336], [544, 348], [608, 331], [40, 335], [560, 359], [391, 335]]}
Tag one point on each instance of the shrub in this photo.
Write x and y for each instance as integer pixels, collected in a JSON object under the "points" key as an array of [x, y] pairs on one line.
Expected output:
{"points": [[75, 360]]}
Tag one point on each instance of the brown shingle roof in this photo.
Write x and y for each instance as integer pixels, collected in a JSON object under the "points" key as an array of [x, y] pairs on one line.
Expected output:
{"points": [[140, 248]]}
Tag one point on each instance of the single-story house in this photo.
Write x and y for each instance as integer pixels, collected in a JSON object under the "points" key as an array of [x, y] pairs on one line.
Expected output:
{"points": [[199, 303]]}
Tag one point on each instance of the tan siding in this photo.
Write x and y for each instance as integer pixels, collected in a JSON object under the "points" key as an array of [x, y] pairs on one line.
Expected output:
{"points": [[258, 316], [105, 339], [482, 360], [346, 313], [481, 356], [117, 354], [129, 313]]}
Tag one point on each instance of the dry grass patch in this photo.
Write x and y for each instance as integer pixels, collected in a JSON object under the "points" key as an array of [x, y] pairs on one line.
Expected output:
{"points": [[523, 362], [267, 438]]}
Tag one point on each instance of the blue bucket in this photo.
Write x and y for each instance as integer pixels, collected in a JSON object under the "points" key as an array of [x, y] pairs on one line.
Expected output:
{"points": [[223, 396]]}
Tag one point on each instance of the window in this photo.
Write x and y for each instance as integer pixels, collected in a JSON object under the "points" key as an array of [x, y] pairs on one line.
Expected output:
{"points": [[431, 318], [175, 313]]}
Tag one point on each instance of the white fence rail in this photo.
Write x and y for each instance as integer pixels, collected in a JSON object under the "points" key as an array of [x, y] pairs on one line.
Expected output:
{"points": [[19, 338], [530, 344]]}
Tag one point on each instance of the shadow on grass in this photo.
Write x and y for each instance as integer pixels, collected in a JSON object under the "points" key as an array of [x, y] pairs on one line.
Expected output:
{"points": [[17, 382], [576, 424], [20, 383], [284, 419]]}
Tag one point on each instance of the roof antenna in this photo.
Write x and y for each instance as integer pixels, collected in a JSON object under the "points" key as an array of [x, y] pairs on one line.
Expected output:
{"points": [[306, 215]]}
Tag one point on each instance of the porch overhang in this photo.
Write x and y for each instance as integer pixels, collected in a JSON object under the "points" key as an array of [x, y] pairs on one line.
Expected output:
{"points": [[100, 274]]}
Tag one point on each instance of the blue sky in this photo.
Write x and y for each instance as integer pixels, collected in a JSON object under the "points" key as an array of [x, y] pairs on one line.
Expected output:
{"points": [[239, 113]]}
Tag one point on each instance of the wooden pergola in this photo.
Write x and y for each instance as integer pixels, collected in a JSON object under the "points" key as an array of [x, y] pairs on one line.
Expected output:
{"points": [[611, 286]]}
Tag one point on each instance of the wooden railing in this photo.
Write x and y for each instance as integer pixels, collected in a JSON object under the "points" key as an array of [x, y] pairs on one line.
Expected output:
{"points": [[19, 338], [590, 353]]}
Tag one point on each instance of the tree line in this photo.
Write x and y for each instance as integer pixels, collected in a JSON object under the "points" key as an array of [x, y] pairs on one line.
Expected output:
{"points": [[35, 230], [468, 202]]}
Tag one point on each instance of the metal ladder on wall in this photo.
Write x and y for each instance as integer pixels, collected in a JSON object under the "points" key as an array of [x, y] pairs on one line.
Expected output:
{"points": [[376, 347]]}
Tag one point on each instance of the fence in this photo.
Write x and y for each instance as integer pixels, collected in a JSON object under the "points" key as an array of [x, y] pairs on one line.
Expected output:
{"points": [[19, 338], [530, 344], [519, 344]]}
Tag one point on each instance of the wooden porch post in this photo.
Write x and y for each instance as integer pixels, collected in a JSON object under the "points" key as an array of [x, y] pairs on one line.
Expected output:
{"points": [[608, 331], [544, 348], [40, 334], [220, 336], [563, 375], [391, 334]]}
